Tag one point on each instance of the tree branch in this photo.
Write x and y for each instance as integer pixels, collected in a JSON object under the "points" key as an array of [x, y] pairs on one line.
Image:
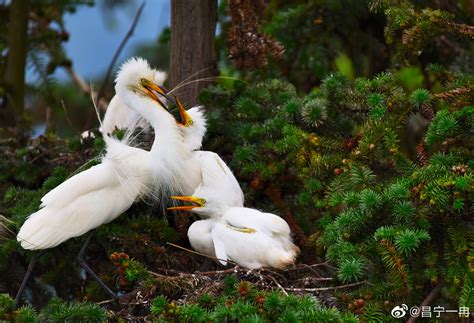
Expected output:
{"points": [[119, 50], [428, 299], [82, 85], [322, 289], [14, 76]]}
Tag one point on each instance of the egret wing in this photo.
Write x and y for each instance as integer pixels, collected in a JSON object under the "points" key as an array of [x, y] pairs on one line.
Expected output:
{"points": [[95, 178], [52, 225], [268, 223], [219, 247]]}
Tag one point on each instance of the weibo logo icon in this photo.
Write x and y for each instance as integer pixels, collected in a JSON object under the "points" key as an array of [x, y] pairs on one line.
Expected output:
{"points": [[399, 311]]}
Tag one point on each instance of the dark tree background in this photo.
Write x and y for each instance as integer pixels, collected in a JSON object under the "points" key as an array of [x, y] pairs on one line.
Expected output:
{"points": [[193, 26]]}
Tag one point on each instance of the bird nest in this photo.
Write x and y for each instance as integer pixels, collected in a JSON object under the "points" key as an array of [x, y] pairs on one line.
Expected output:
{"points": [[188, 287]]}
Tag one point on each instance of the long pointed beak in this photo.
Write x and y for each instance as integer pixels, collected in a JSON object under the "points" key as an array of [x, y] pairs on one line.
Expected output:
{"points": [[198, 202], [185, 117], [159, 89], [150, 91]]}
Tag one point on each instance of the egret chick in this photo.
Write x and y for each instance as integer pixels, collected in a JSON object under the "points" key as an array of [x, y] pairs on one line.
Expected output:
{"points": [[229, 231], [248, 237]]}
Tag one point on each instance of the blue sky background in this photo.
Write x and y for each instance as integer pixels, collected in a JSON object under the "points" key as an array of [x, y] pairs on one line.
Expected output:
{"points": [[95, 35]]}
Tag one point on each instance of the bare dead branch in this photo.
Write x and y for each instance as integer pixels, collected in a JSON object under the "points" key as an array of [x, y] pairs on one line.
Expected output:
{"points": [[322, 289], [82, 85], [279, 286], [200, 254], [66, 114], [428, 299], [119, 50]]}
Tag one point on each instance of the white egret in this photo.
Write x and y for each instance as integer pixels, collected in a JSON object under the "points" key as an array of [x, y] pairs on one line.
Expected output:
{"points": [[120, 116], [178, 163], [229, 231], [103, 192], [248, 237]]}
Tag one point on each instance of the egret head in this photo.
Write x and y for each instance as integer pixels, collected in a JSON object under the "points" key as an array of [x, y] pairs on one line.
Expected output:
{"points": [[186, 119], [136, 77], [198, 205]]}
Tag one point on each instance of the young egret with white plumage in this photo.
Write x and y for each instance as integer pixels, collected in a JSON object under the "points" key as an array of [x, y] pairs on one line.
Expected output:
{"points": [[178, 161], [229, 231]]}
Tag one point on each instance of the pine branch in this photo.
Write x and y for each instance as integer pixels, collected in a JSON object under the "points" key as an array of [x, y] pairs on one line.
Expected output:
{"points": [[452, 94], [462, 29]]}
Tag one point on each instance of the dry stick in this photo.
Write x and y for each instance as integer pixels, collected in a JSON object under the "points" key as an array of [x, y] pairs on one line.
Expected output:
{"points": [[428, 299], [310, 267], [198, 253], [82, 85], [316, 279], [119, 49], [197, 273], [107, 301], [321, 289], [78, 80], [278, 284], [66, 114]]}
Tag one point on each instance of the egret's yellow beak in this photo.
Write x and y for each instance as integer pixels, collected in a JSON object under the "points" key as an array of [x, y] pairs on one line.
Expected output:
{"points": [[199, 202], [151, 90], [185, 117]]}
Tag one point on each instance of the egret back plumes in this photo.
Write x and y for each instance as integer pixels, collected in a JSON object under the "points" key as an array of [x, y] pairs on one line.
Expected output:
{"points": [[87, 200], [218, 181]]}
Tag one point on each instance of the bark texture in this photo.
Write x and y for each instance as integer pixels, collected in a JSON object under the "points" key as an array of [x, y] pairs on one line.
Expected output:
{"points": [[193, 25], [12, 113]]}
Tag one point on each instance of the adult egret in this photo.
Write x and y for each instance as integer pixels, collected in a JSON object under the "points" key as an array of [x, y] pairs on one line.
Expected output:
{"points": [[119, 116], [178, 164], [103, 192], [229, 231]]}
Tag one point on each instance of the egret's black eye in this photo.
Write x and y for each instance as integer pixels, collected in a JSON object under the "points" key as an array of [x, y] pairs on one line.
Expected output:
{"points": [[202, 202], [144, 80]]}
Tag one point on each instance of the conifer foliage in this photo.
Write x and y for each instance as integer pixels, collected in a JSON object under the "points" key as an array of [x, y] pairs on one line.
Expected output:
{"points": [[361, 139]]}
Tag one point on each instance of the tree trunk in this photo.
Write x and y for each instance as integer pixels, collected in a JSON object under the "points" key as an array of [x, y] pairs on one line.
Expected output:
{"points": [[15, 69], [193, 25]]}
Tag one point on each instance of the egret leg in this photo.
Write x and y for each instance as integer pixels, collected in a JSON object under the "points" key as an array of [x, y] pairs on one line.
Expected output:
{"points": [[83, 264], [31, 265]]}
